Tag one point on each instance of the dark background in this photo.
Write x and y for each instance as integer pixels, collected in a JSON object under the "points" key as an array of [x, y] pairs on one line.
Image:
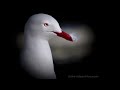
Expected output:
{"points": [[92, 65]]}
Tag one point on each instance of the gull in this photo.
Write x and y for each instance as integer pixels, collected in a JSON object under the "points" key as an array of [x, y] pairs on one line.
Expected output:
{"points": [[36, 56]]}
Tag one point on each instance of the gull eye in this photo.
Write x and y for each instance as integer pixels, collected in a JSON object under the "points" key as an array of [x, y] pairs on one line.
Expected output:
{"points": [[46, 24]]}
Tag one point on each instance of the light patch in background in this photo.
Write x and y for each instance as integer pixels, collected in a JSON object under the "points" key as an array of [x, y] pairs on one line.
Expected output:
{"points": [[64, 51]]}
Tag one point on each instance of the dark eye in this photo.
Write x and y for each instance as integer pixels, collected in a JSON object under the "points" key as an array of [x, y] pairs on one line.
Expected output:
{"points": [[45, 24]]}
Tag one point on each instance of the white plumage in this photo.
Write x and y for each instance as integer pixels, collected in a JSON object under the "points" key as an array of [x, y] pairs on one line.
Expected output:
{"points": [[36, 56]]}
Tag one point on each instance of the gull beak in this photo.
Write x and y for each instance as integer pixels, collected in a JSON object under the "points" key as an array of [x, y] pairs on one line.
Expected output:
{"points": [[64, 35]]}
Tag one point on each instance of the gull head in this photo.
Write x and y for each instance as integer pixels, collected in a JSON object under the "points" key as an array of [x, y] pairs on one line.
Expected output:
{"points": [[44, 26]]}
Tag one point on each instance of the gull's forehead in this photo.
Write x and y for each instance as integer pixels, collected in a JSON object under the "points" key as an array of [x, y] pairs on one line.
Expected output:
{"points": [[43, 17]]}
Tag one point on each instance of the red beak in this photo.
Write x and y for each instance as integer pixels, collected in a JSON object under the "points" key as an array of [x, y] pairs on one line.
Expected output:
{"points": [[64, 35]]}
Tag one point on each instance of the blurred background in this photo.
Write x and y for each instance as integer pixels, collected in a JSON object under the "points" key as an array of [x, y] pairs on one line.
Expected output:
{"points": [[78, 58]]}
